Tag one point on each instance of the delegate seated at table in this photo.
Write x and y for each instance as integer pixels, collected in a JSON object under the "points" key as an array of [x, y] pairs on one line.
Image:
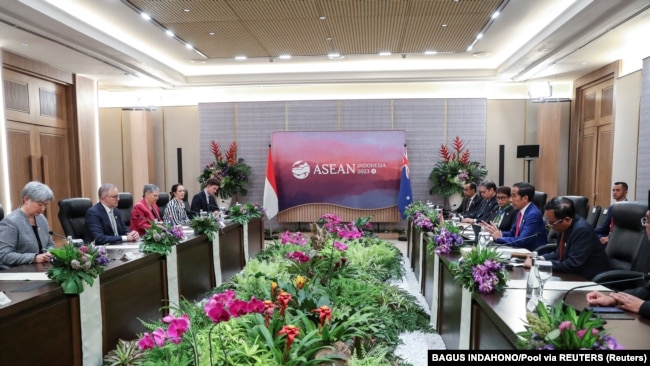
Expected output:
{"points": [[578, 250], [175, 212], [98, 224], [146, 211], [635, 300], [25, 233], [528, 230], [204, 200]]}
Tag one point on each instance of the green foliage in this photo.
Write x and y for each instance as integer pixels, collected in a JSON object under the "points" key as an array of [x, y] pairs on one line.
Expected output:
{"points": [[454, 170], [489, 261], [233, 173], [160, 238], [209, 225], [243, 213], [72, 266], [126, 353], [376, 356]]}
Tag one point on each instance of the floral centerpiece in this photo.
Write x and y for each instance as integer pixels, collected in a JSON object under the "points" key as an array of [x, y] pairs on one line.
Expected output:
{"points": [[454, 170], [561, 328], [243, 213], [208, 225], [423, 218], [480, 269], [232, 172], [447, 239], [73, 266], [160, 238]]}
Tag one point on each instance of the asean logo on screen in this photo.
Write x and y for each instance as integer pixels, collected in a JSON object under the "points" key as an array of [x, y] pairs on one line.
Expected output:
{"points": [[300, 169]]}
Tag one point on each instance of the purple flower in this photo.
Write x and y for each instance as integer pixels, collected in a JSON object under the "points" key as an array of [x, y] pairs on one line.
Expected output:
{"points": [[340, 246], [297, 256]]}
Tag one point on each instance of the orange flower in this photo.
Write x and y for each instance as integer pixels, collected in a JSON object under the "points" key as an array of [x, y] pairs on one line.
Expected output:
{"points": [[269, 308], [300, 282], [324, 313], [283, 300], [291, 331], [274, 289]]}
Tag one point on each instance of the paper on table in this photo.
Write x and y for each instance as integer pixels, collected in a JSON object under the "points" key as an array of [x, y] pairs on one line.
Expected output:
{"points": [[24, 276], [135, 245], [560, 285]]}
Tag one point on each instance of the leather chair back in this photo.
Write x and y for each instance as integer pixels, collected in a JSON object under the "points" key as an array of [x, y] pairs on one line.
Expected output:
{"points": [[628, 247], [2, 213], [593, 216], [540, 200], [603, 216], [581, 205], [125, 205], [72, 215], [163, 200]]}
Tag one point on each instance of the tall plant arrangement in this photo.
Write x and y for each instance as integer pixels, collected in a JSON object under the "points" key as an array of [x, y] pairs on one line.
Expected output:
{"points": [[232, 172], [454, 170]]}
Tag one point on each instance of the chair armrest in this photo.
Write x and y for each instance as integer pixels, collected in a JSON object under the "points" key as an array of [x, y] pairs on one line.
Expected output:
{"points": [[620, 279], [546, 248]]}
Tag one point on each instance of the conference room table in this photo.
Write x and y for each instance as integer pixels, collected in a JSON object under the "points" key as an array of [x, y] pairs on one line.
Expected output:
{"points": [[41, 322]]}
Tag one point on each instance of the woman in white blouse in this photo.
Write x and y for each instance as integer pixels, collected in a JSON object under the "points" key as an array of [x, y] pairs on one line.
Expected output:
{"points": [[175, 212]]}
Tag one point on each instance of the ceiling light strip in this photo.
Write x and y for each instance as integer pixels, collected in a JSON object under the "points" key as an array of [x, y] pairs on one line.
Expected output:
{"points": [[487, 25]]}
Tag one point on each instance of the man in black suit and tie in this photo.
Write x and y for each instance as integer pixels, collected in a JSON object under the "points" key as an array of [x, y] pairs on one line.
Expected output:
{"points": [[204, 200], [488, 206], [470, 202], [103, 221]]}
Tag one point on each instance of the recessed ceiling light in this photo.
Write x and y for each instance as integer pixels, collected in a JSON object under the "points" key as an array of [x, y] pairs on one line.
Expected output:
{"points": [[197, 61], [145, 16], [322, 17], [480, 54], [385, 53], [470, 48], [240, 58], [334, 55], [479, 36], [211, 33], [329, 39], [444, 25], [169, 33], [284, 57], [430, 52], [189, 46], [24, 44], [186, 10]]}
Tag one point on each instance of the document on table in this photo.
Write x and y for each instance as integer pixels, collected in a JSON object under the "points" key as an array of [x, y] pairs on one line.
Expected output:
{"points": [[560, 285], [24, 276]]}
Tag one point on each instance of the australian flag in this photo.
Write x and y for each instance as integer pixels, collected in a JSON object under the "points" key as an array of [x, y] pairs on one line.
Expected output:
{"points": [[405, 192]]}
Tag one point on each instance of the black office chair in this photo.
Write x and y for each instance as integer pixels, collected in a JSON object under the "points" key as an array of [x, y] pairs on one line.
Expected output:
{"points": [[2, 213], [581, 205], [593, 216], [603, 216], [125, 205], [163, 200], [540, 200], [628, 248], [72, 215]]}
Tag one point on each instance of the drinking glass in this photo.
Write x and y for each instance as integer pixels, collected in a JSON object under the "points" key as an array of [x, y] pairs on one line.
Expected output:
{"points": [[545, 271]]}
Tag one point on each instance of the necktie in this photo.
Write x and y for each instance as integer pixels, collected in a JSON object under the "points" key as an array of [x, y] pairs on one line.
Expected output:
{"points": [[611, 225], [469, 203], [519, 218], [562, 243], [111, 217]]}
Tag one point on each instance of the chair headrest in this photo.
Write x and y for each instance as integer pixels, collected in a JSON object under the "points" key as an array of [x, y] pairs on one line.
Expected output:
{"points": [[126, 200], [163, 199], [628, 214], [74, 207]]}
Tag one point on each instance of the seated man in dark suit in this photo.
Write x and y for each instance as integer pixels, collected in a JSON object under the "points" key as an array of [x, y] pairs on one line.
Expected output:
{"points": [[528, 230], [619, 194], [470, 202], [204, 200], [487, 206], [578, 250], [104, 223], [505, 213]]}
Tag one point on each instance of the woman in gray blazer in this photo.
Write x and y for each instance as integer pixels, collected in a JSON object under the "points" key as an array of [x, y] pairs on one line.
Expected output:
{"points": [[24, 233]]}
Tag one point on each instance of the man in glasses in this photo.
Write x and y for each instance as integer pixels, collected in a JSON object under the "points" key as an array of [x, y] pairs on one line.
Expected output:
{"points": [[636, 300], [103, 221], [578, 250]]}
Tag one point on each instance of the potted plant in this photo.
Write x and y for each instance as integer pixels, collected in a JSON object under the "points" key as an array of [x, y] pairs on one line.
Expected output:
{"points": [[232, 172], [73, 266], [454, 170]]}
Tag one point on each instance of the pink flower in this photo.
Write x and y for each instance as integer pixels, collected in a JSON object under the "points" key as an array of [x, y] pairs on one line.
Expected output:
{"points": [[217, 312], [255, 305], [565, 325], [146, 342], [340, 246], [83, 249], [159, 336], [581, 332], [238, 308], [178, 327]]}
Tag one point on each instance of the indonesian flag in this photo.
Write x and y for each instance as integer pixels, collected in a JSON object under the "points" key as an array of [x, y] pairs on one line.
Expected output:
{"points": [[270, 190]]}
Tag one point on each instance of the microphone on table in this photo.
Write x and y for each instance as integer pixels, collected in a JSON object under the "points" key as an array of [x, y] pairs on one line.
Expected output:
{"points": [[76, 242], [641, 277], [515, 241]]}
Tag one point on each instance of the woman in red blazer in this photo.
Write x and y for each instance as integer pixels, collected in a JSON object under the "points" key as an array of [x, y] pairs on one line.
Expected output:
{"points": [[145, 211]]}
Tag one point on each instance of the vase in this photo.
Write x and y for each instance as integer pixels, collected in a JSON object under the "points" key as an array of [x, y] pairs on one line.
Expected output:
{"points": [[224, 202], [454, 201]]}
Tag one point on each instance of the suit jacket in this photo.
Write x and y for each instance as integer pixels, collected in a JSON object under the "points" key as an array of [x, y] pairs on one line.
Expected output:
{"points": [[583, 253], [142, 216], [18, 244], [472, 208], [200, 203], [509, 215], [485, 210], [532, 233], [643, 293], [98, 226], [603, 229]]}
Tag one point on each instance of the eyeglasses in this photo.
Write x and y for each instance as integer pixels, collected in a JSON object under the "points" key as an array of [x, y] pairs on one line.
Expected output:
{"points": [[115, 196], [550, 225], [502, 197], [644, 221]]}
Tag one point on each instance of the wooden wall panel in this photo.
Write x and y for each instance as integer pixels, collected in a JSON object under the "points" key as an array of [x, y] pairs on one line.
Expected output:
{"points": [[87, 136], [111, 149]]}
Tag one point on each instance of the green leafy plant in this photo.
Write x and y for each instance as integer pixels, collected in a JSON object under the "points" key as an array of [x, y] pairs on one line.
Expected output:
{"points": [[126, 353], [480, 269], [233, 173], [562, 328], [73, 266], [209, 225], [243, 213], [160, 238], [454, 170], [446, 239]]}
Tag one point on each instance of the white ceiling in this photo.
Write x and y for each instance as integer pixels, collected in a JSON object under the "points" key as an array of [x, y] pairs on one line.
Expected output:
{"points": [[557, 40]]}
